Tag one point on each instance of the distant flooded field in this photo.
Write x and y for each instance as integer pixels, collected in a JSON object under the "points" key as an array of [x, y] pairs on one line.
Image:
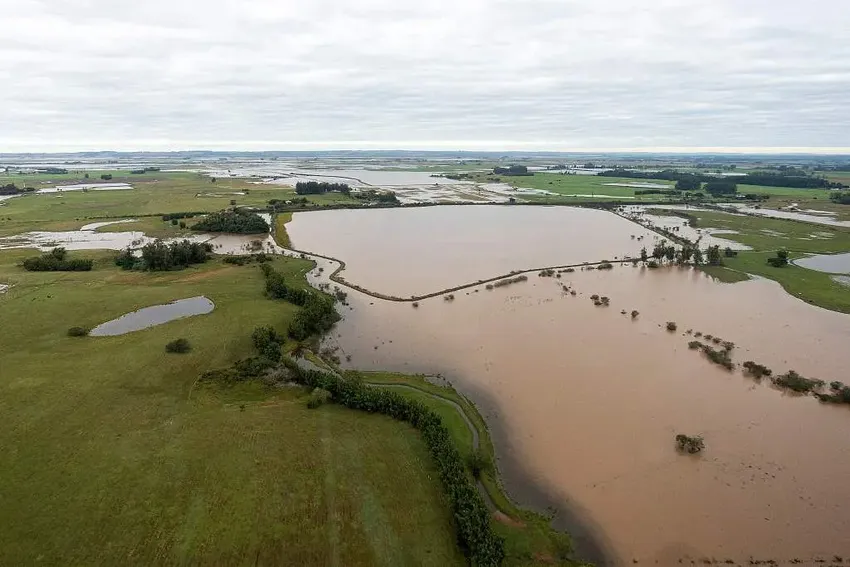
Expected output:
{"points": [[585, 401], [408, 252]]}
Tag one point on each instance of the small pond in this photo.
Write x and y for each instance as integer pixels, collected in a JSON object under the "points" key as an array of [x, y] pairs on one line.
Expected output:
{"points": [[829, 263], [153, 316]]}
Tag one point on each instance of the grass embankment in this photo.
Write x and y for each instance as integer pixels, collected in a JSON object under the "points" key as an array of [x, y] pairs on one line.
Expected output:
{"points": [[280, 234], [108, 460], [529, 537], [766, 236]]}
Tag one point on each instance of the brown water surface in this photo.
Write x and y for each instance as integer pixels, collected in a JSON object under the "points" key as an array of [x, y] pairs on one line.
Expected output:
{"points": [[422, 250], [584, 402]]}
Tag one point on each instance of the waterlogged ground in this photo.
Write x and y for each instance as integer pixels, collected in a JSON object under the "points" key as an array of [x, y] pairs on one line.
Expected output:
{"points": [[416, 251], [584, 402]]}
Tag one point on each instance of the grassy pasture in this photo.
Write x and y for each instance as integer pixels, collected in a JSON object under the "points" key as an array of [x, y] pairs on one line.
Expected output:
{"points": [[114, 455]]}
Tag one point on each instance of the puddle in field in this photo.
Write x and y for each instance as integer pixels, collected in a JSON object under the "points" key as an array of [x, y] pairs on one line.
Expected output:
{"points": [[584, 402], [4, 288], [640, 185], [153, 316], [812, 217], [843, 280], [97, 225], [829, 263]]}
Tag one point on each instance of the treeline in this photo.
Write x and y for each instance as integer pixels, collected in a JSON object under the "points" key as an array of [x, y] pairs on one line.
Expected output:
{"points": [[479, 542], [690, 181], [317, 314], [840, 198], [182, 215], [240, 222], [321, 187], [57, 261], [12, 189], [373, 196], [160, 257], [512, 170]]}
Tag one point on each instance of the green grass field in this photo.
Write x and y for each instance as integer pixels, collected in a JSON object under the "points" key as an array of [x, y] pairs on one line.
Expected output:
{"points": [[114, 455], [766, 236]]}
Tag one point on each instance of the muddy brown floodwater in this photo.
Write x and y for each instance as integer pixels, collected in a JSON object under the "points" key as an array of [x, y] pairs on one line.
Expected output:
{"points": [[584, 402], [431, 248]]}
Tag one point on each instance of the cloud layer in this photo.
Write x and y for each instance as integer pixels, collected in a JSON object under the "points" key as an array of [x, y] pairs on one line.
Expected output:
{"points": [[546, 74]]}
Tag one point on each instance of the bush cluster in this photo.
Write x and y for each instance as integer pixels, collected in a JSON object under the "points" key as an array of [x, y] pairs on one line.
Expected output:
{"points": [[688, 444], [482, 546], [239, 222], [267, 341], [756, 370], [159, 257], [317, 313], [178, 346], [57, 261], [791, 380], [320, 187], [78, 332]]}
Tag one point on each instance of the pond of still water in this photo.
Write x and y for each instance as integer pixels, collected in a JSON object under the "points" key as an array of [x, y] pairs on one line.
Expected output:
{"points": [[153, 316], [829, 263]]}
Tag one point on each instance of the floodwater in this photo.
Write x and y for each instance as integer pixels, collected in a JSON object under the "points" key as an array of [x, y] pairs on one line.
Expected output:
{"points": [[584, 402], [829, 263], [681, 227], [86, 187], [432, 248], [97, 225], [153, 316], [812, 217], [843, 280]]}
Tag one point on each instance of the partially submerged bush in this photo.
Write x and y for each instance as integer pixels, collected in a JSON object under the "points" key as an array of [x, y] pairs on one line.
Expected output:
{"points": [[605, 266], [719, 357], [652, 264], [179, 346], [635, 314], [791, 380], [756, 370], [671, 326], [694, 345], [78, 332], [688, 444]]}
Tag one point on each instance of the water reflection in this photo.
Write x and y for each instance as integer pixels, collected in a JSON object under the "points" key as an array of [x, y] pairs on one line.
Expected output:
{"points": [[153, 316]]}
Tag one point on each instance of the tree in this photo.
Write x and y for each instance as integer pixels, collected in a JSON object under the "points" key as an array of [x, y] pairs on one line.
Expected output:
{"points": [[713, 256], [688, 184], [697, 257], [780, 260], [106, 176], [643, 255], [721, 187]]}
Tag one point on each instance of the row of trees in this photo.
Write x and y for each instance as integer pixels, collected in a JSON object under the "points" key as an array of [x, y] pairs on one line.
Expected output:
{"points": [[688, 253], [374, 196], [840, 198], [690, 181], [321, 187], [317, 314], [57, 261], [240, 222], [480, 543], [12, 189], [158, 256], [512, 170]]}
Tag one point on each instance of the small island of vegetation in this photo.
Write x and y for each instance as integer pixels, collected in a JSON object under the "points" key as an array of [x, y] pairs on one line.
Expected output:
{"points": [[235, 221]]}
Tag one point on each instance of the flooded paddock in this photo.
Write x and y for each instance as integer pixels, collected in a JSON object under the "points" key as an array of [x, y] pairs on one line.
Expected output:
{"points": [[153, 316], [829, 263], [584, 402], [406, 252]]}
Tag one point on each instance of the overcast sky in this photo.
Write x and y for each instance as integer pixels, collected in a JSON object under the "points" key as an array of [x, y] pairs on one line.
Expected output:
{"points": [[455, 74]]}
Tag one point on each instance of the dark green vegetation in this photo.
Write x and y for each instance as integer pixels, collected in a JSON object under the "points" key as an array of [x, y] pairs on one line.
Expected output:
{"points": [[124, 446], [756, 370], [692, 181], [12, 189], [78, 332], [840, 198], [56, 261], [160, 257], [321, 187], [317, 314], [688, 444], [780, 260], [375, 196], [235, 221], [178, 346], [791, 380], [512, 170], [472, 520]]}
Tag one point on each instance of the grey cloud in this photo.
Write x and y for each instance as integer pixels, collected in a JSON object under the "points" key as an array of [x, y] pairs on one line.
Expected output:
{"points": [[566, 74]]}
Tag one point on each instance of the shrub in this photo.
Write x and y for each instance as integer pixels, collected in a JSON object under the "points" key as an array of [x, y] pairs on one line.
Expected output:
{"points": [[605, 266], [317, 398], [780, 260], [594, 297], [693, 345], [78, 332], [719, 357], [479, 463], [671, 326], [416, 304], [179, 346], [239, 222], [56, 261], [652, 264], [635, 314], [159, 257], [756, 370], [791, 380], [688, 444], [605, 301]]}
